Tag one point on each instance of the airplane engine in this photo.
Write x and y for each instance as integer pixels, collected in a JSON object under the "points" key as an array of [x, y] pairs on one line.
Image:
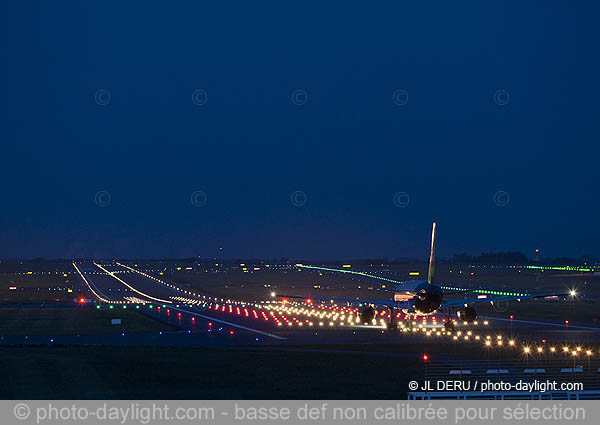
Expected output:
{"points": [[469, 314], [367, 314]]}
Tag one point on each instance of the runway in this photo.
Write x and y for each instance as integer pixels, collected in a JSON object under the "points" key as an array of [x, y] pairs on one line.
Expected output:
{"points": [[203, 319]]}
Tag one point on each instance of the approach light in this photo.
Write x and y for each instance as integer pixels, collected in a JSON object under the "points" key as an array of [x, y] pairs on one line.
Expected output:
{"points": [[526, 350], [572, 292]]}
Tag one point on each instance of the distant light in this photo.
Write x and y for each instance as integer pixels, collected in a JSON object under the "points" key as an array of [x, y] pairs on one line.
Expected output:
{"points": [[273, 294]]}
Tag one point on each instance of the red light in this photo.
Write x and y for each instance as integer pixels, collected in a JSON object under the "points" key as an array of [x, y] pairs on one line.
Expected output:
{"points": [[81, 300], [425, 357], [566, 322], [308, 301], [230, 332], [209, 323], [193, 319]]}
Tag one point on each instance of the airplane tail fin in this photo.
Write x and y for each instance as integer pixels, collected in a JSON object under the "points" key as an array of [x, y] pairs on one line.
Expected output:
{"points": [[432, 257]]}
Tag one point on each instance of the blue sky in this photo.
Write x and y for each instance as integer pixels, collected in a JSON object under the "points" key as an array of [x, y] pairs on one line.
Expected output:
{"points": [[484, 113]]}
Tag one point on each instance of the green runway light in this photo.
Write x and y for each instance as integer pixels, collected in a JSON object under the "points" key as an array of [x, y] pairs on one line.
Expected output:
{"points": [[476, 291]]}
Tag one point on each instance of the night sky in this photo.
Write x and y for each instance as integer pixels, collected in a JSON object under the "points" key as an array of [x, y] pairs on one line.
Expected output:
{"points": [[306, 129]]}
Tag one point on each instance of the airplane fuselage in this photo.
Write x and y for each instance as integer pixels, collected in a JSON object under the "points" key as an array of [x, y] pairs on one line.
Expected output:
{"points": [[425, 298]]}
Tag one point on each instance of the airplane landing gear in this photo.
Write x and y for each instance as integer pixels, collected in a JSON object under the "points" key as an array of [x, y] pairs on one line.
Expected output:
{"points": [[449, 326], [392, 325]]}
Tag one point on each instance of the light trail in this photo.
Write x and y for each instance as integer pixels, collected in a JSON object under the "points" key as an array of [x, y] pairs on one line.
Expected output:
{"points": [[450, 288], [131, 287], [101, 298]]}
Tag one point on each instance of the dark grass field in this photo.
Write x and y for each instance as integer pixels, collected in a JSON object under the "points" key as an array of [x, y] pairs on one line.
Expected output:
{"points": [[78, 320], [190, 373], [41, 287]]}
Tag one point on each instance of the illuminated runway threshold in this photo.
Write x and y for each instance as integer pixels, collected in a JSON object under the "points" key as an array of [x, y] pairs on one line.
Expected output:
{"points": [[214, 319]]}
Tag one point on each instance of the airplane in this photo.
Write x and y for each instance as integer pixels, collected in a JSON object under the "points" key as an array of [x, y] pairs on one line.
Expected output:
{"points": [[425, 297]]}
